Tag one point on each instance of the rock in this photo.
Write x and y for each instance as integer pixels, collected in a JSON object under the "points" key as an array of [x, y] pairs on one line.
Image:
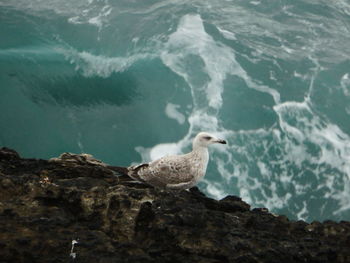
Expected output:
{"points": [[74, 209]]}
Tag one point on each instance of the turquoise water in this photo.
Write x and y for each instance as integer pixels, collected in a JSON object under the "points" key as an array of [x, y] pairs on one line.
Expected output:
{"points": [[130, 81]]}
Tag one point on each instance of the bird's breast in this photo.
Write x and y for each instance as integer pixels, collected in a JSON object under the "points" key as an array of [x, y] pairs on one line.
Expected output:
{"points": [[200, 163]]}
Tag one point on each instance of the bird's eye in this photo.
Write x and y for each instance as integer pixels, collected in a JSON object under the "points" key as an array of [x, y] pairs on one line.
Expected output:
{"points": [[207, 138]]}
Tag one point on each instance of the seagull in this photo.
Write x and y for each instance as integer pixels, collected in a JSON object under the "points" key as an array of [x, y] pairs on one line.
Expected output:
{"points": [[174, 172]]}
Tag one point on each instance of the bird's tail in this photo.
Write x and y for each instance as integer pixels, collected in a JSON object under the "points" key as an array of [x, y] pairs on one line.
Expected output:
{"points": [[131, 172], [123, 173], [119, 169]]}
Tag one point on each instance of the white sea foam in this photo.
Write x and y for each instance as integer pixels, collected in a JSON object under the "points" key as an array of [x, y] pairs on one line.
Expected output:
{"points": [[344, 198], [334, 143], [303, 212], [189, 52], [189, 39], [333, 149], [345, 84], [216, 61], [171, 110], [62, 7], [214, 189], [164, 149], [96, 15], [299, 126], [227, 34], [281, 158], [255, 2], [99, 65]]}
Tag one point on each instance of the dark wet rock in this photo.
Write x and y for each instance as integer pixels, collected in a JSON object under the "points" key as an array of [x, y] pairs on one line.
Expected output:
{"points": [[45, 205]]}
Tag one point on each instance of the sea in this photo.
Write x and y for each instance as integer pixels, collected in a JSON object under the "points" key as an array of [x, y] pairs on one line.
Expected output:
{"points": [[129, 81]]}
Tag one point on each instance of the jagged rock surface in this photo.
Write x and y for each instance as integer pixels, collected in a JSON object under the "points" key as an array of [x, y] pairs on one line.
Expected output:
{"points": [[45, 205]]}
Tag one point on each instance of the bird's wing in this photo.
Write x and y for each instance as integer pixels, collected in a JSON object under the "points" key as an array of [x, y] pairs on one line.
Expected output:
{"points": [[167, 170], [133, 171]]}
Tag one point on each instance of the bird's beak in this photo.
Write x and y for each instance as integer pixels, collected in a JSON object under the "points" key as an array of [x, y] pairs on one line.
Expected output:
{"points": [[221, 141]]}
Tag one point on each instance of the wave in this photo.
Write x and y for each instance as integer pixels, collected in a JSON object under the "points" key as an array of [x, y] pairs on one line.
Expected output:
{"points": [[99, 65], [260, 75]]}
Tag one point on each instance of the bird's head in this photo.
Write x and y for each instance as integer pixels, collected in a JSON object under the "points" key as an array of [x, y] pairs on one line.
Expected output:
{"points": [[203, 139]]}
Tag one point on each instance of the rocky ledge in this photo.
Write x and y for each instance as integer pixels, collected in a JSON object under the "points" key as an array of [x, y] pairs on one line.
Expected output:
{"points": [[73, 209]]}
